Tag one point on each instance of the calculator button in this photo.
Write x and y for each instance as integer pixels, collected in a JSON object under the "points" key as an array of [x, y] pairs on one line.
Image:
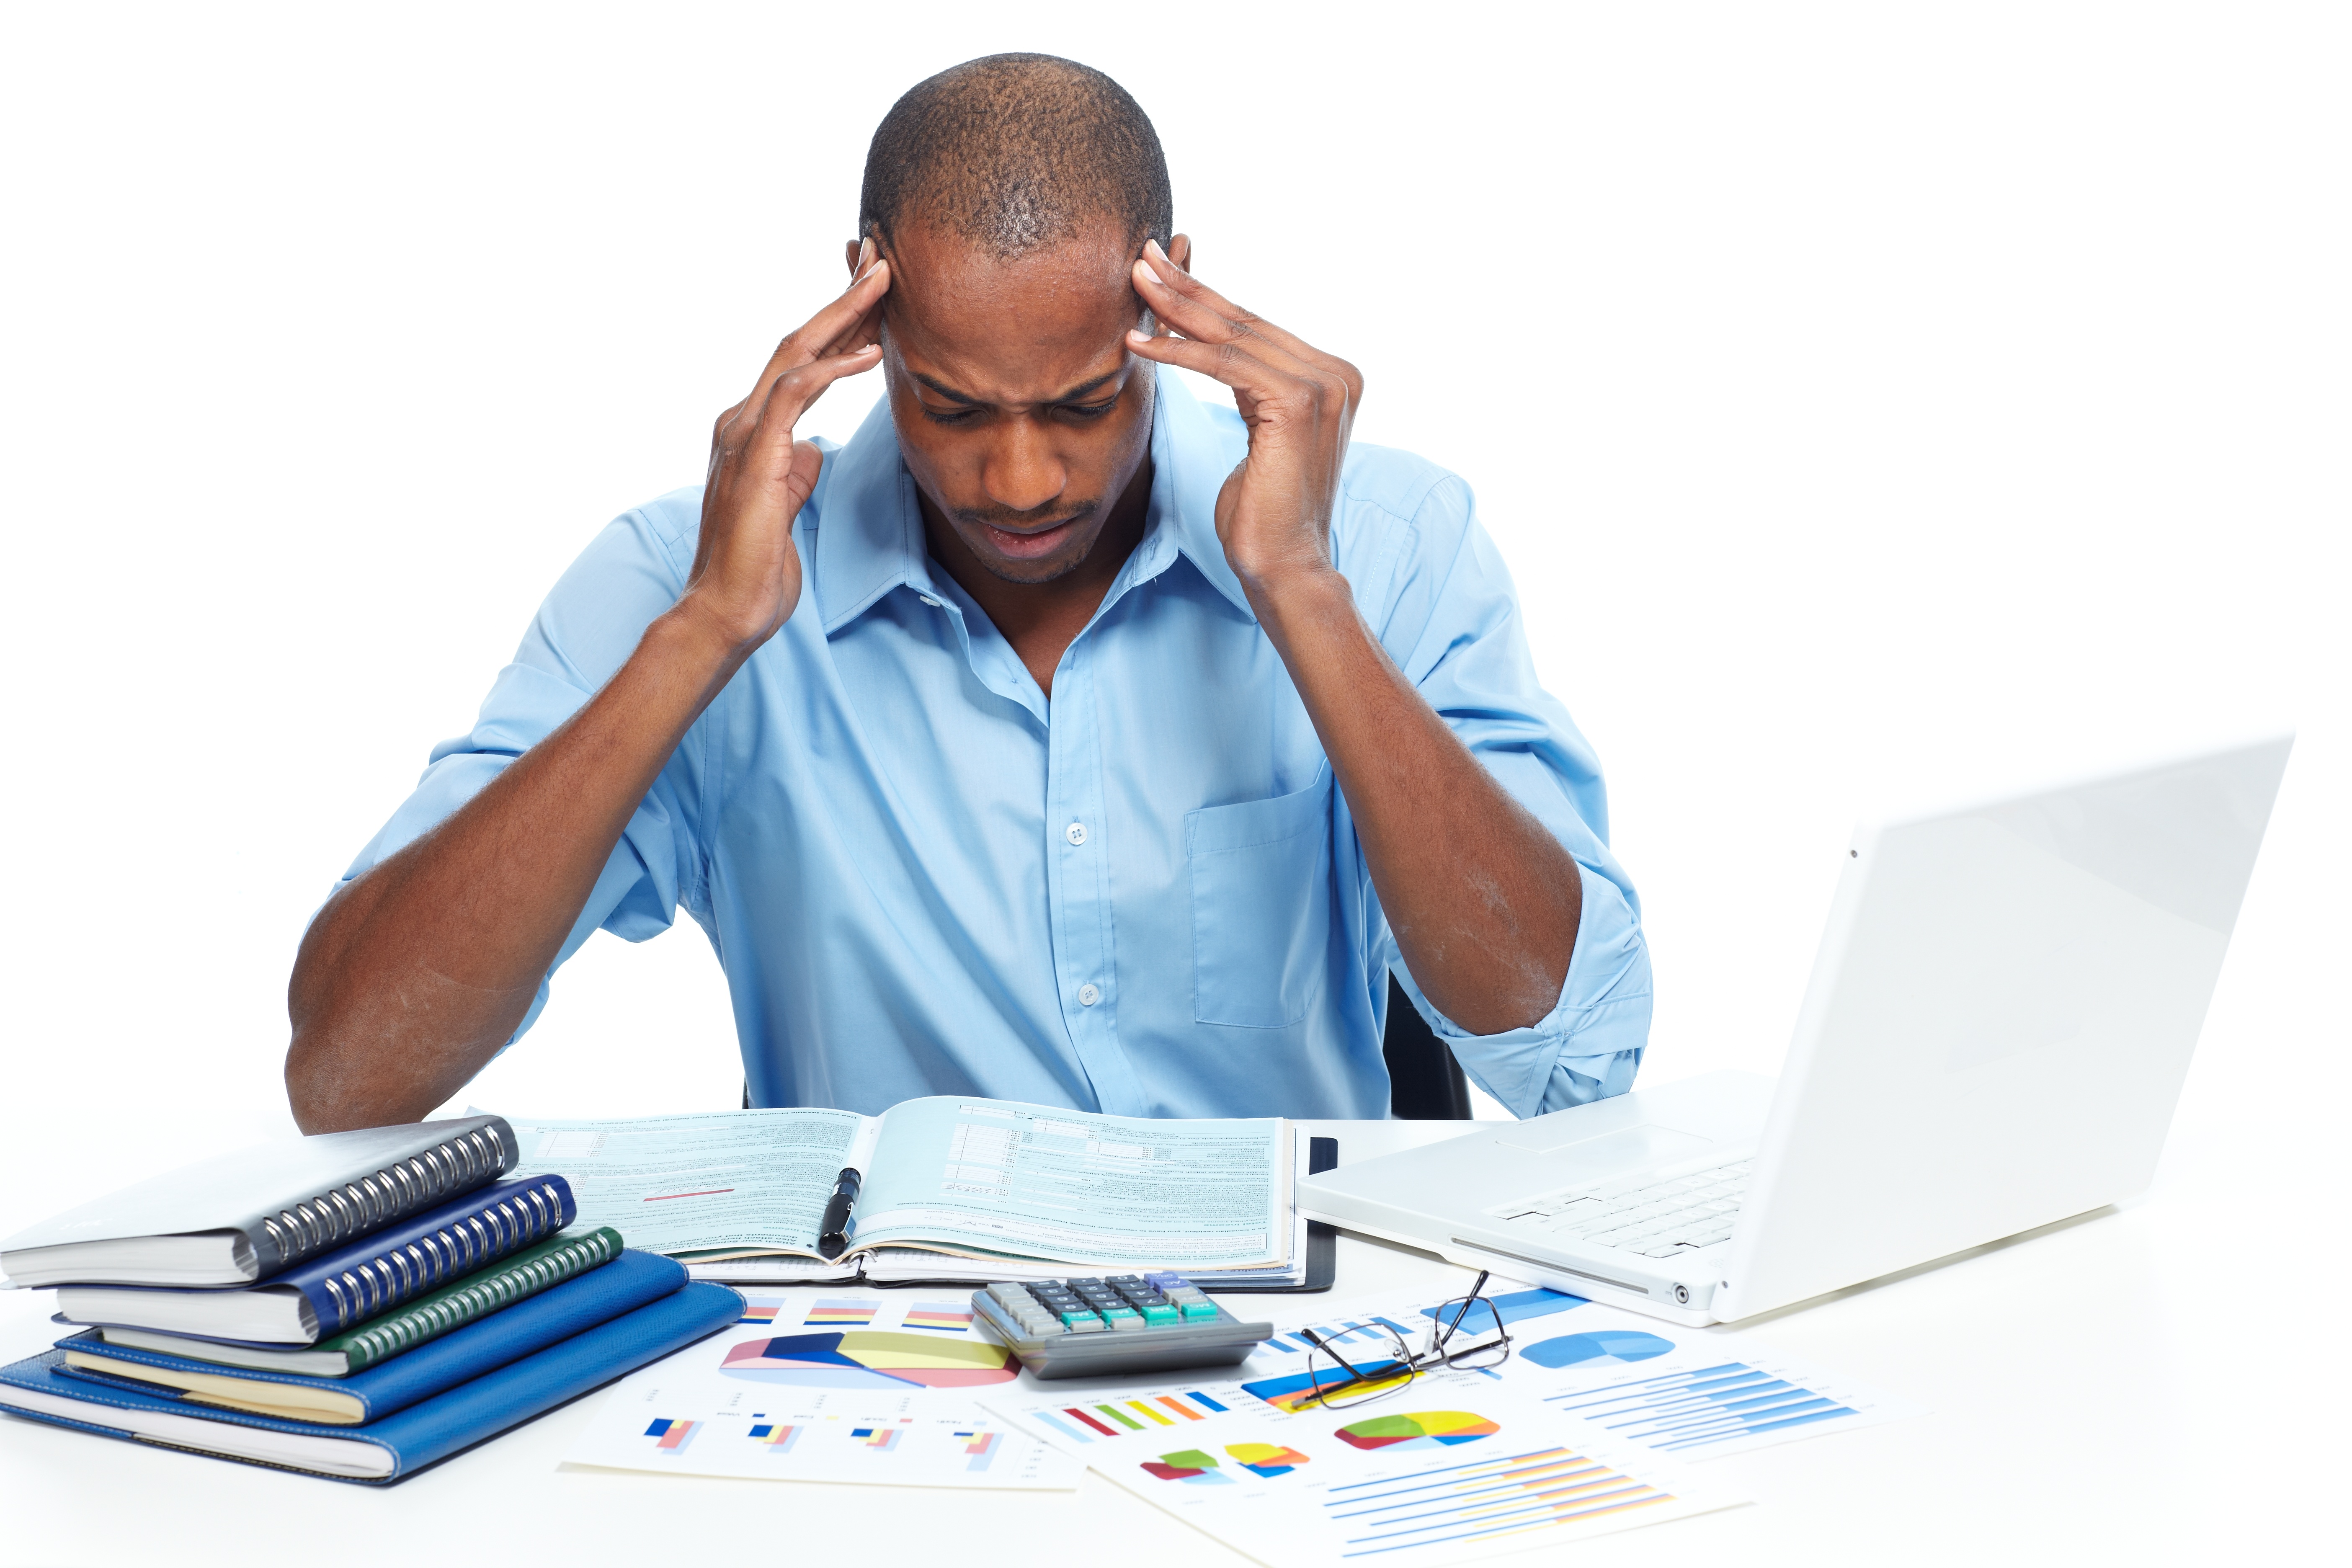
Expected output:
{"points": [[1163, 1314], [1089, 1324], [1120, 1318], [1193, 1311]]}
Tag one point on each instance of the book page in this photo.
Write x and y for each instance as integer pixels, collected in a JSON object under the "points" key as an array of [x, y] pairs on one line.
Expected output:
{"points": [[992, 1175], [721, 1181]]}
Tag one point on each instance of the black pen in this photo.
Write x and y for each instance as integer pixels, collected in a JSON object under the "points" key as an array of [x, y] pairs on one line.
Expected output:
{"points": [[833, 1231]]}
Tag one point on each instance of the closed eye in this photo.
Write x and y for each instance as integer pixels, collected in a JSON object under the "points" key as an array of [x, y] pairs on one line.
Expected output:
{"points": [[1090, 410]]}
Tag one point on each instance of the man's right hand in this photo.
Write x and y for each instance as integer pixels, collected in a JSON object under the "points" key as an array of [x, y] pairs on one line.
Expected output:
{"points": [[747, 575], [416, 972]]}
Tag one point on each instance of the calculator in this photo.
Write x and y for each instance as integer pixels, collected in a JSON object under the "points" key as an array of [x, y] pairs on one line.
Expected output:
{"points": [[1125, 1324]]}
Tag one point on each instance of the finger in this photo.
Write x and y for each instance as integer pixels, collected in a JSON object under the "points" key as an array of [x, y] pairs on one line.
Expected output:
{"points": [[1190, 300], [823, 334], [1231, 362], [1177, 297], [867, 329], [1196, 318], [792, 393]]}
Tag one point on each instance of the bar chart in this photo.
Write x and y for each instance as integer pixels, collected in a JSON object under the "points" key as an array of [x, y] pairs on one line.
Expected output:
{"points": [[1093, 1422], [1703, 1408], [1549, 1487]]}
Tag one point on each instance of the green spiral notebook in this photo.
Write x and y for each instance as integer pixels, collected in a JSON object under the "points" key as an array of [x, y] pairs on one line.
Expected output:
{"points": [[461, 1301]]}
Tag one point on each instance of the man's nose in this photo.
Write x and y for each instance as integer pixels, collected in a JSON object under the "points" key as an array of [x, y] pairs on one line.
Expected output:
{"points": [[1024, 472]]}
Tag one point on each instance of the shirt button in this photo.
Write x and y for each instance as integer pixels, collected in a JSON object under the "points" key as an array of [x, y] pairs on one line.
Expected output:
{"points": [[929, 600], [1075, 833], [1088, 996]]}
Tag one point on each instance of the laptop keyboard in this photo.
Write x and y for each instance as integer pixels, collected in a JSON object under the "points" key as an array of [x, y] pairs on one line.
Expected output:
{"points": [[1648, 1218]]}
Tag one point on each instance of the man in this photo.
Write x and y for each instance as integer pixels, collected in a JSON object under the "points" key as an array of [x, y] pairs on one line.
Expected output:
{"points": [[1058, 739]]}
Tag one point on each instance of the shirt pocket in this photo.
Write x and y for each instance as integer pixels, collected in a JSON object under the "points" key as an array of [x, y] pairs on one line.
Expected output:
{"points": [[1261, 876]]}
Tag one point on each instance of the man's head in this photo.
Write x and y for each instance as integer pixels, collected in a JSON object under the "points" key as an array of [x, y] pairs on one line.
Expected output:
{"points": [[1011, 195]]}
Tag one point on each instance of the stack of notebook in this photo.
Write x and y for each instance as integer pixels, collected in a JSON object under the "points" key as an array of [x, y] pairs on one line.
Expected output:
{"points": [[356, 1305]]}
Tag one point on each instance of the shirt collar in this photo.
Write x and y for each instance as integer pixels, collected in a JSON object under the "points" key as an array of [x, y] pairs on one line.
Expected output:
{"points": [[869, 529]]}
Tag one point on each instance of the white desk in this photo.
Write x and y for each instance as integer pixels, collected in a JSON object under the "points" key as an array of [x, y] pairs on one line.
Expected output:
{"points": [[2093, 1401]]}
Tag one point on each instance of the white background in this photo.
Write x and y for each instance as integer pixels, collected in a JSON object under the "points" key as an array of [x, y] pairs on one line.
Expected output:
{"points": [[1868, 399]]}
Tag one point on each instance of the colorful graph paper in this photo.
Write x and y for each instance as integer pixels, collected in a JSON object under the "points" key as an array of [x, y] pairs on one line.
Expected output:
{"points": [[981, 1447], [1544, 1489], [671, 1436], [761, 1310], [945, 1316], [777, 1435], [1092, 1423], [1679, 1412], [883, 1438], [856, 1314]]}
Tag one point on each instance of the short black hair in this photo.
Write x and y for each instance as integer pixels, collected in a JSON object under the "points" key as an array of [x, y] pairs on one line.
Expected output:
{"points": [[1017, 153]]}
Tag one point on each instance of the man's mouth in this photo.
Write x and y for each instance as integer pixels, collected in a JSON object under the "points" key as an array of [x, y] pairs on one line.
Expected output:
{"points": [[1031, 544]]}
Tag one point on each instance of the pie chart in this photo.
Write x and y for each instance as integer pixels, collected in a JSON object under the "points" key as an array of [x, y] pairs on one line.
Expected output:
{"points": [[1602, 1347], [1421, 1429], [870, 1358], [1189, 1464], [1267, 1459]]}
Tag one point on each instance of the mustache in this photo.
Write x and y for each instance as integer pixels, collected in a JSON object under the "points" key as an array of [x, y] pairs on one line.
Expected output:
{"points": [[1013, 521]]}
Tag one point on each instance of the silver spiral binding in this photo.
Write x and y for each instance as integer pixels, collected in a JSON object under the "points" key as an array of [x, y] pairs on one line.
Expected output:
{"points": [[382, 1283], [339, 1214]]}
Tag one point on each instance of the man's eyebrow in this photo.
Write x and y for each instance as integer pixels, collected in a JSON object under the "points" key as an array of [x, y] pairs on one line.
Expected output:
{"points": [[1082, 389], [944, 390]]}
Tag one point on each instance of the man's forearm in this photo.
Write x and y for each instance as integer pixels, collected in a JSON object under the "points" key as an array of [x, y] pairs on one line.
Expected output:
{"points": [[1482, 900], [415, 974]]}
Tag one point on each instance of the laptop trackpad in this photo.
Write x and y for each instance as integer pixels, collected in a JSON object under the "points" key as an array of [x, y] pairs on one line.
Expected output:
{"points": [[1628, 1148]]}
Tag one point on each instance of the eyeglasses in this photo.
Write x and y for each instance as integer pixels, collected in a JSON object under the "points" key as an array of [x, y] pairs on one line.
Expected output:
{"points": [[1339, 1383]]}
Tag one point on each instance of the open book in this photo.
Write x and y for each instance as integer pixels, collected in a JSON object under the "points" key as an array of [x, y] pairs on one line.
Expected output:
{"points": [[952, 1186]]}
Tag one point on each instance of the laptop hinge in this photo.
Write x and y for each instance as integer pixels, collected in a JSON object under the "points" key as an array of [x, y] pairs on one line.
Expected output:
{"points": [[1681, 1295]]}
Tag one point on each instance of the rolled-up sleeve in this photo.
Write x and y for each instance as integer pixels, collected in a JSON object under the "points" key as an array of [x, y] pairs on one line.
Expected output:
{"points": [[583, 632], [1453, 623]]}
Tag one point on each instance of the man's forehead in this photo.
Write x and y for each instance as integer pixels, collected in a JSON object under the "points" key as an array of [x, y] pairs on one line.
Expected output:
{"points": [[1022, 328]]}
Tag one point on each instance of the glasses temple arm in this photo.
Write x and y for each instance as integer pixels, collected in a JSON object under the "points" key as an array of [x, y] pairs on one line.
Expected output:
{"points": [[1325, 1346], [1467, 1302]]}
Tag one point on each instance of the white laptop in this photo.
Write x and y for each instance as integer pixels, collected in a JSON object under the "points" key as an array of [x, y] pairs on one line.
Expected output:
{"points": [[1998, 1025]]}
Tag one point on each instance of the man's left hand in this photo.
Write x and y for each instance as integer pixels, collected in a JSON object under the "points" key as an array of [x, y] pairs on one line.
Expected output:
{"points": [[1274, 515]]}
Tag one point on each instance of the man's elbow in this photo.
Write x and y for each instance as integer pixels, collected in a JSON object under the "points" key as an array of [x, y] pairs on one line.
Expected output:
{"points": [[318, 1090]]}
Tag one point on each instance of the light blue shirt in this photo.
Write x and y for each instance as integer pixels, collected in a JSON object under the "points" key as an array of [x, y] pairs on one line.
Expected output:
{"points": [[1145, 898]]}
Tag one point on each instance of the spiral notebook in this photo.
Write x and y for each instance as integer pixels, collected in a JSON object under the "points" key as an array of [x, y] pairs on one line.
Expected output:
{"points": [[247, 1215], [513, 1279], [338, 1291]]}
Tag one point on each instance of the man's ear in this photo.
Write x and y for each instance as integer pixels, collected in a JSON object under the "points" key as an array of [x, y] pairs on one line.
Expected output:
{"points": [[1179, 250]]}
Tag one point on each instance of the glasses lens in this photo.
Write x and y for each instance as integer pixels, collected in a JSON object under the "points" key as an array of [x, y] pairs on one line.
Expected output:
{"points": [[1492, 1353], [1480, 1341], [1338, 1388], [1467, 1318]]}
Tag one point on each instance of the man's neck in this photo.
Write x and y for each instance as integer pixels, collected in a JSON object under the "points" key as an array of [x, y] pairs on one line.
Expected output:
{"points": [[1042, 619]]}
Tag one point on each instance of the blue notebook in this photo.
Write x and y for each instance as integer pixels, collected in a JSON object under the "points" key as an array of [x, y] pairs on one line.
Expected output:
{"points": [[604, 1293], [327, 1294], [401, 1444]]}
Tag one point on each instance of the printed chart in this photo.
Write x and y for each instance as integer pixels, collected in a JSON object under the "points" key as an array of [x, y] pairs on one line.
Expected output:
{"points": [[1696, 1392], [864, 1387], [1091, 1422], [1439, 1510], [1403, 1482], [1724, 1406]]}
